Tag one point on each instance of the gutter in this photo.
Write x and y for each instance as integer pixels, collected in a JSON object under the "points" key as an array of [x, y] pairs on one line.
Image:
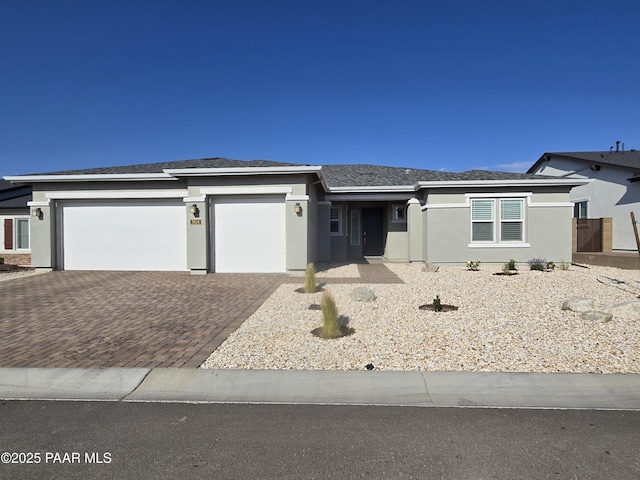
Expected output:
{"points": [[105, 177]]}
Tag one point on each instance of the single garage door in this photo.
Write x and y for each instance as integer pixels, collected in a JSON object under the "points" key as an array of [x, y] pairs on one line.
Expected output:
{"points": [[131, 235], [249, 234]]}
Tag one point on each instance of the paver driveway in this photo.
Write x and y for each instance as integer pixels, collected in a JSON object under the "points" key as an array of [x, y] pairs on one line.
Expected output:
{"points": [[124, 319]]}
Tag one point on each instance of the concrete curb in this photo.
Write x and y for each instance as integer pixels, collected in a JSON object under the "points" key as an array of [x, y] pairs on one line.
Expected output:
{"points": [[69, 383], [414, 388]]}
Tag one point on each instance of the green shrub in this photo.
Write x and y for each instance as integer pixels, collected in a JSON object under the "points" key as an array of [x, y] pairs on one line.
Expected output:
{"points": [[511, 264], [563, 265], [310, 279], [331, 324], [507, 270], [1, 261], [537, 264], [437, 305]]}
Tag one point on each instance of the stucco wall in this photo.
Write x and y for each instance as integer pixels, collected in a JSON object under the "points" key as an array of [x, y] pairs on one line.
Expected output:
{"points": [[547, 227], [609, 195], [13, 215], [46, 235]]}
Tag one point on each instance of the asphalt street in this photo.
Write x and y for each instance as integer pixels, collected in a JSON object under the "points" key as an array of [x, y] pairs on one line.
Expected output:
{"points": [[51, 440]]}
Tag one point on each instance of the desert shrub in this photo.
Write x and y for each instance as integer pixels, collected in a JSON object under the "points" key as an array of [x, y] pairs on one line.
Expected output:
{"points": [[551, 265], [437, 305], [473, 266], [507, 270], [537, 264], [1, 260], [563, 265], [330, 319], [511, 264], [310, 279]]}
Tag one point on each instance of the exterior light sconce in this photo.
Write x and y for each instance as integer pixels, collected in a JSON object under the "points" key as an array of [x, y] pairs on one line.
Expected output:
{"points": [[37, 212], [195, 211], [298, 209]]}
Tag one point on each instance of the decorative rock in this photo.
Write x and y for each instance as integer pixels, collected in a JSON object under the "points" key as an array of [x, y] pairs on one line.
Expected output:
{"points": [[363, 294], [429, 267], [596, 316], [626, 310], [578, 304]]}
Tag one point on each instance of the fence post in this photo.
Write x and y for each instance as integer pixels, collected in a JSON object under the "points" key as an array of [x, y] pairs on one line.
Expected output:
{"points": [[635, 230]]}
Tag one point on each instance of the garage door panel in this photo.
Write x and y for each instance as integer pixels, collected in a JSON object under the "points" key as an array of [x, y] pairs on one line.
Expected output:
{"points": [[148, 235], [259, 224], [250, 235]]}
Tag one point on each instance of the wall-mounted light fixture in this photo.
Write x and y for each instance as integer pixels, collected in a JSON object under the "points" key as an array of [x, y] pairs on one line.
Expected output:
{"points": [[37, 212], [194, 210], [298, 209]]}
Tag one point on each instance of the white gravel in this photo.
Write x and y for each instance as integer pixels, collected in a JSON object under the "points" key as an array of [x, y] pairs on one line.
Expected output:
{"points": [[11, 275], [504, 324]]}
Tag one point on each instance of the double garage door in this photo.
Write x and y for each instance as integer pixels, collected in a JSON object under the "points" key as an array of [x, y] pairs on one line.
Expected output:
{"points": [[248, 235]]}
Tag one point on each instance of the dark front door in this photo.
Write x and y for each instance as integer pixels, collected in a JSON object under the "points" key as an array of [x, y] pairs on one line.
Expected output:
{"points": [[372, 232]]}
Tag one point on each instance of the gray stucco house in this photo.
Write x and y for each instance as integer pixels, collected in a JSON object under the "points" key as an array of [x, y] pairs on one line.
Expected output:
{"points": [[14, 218], [222, 215], [613, 192]]}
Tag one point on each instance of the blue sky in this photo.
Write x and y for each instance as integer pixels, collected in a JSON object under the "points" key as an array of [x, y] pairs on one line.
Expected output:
{"points": [[424, 84]]}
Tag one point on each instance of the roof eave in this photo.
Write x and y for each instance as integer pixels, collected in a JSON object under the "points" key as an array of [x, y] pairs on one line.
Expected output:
{"points": [[202, 172], [373, 189], [505, 183], [103, 177]]}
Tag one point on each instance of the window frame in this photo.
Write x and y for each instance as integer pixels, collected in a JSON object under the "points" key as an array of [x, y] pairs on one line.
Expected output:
{"points": [[395, 217], [492, 221], [577, 208], [511, 221], [497, 221], [355, 221], [339, 220], [16, 235]]}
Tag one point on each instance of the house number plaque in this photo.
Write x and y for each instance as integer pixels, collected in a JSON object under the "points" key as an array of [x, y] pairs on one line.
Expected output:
{"points": [[196, 221]]}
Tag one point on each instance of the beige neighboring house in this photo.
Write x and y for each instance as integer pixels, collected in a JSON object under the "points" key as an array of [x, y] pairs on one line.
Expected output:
{"points": [[613, 193], [14, 218], [222, 215]]}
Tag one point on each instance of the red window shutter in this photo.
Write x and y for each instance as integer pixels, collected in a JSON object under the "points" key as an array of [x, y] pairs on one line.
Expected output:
{"points": [[8, 233]]}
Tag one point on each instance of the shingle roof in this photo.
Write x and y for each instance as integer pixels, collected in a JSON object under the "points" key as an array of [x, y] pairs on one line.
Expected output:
{"points": [[342, 175], [159, 167], [14, 196], [626, 159], [378, 176]]}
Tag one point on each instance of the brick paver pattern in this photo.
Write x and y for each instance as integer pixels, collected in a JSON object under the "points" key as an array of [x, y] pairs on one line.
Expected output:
{"points": [[124, 319], [73, 319]]}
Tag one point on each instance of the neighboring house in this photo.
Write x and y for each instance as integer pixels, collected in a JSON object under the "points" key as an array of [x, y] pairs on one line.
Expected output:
{"points": [[614, 191], [14, 218], [221, 215]]}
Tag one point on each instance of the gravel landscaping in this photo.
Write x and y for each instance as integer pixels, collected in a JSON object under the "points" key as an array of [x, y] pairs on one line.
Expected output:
{"points": [[16, 272], [503, 324]]}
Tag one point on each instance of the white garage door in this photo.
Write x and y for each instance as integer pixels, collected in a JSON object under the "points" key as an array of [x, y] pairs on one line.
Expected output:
{"points": [[131, 235], [250, 234]]}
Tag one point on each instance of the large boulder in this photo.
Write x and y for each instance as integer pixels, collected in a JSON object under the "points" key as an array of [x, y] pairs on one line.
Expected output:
{"points": [[596, 316], [578, 304], [363, 294], [626, 310]]}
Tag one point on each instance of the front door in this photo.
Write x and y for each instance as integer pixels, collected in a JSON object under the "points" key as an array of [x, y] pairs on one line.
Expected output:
{"points": [[372, 232]]}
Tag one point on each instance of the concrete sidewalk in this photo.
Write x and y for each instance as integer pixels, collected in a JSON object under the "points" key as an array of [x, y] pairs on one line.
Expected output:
{"points": [[428, 389]]}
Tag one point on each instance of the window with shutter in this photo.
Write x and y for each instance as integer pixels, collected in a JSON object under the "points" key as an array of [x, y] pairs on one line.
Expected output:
{"points": [[482, 220], [508, 220], [511, 219]]}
